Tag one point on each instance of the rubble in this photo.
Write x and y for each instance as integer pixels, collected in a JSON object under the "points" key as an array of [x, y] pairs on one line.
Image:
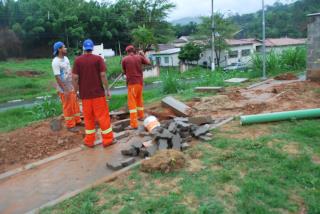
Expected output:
{"points": [[200, 120], [202, 130], [55, 125], [209, 89]]}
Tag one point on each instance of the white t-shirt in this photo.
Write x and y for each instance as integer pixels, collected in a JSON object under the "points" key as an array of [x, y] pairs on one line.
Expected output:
{"points": [[62, 68]]}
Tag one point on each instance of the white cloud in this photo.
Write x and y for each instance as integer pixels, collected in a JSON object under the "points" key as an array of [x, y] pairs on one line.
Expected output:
{"points": [[194, 8]]}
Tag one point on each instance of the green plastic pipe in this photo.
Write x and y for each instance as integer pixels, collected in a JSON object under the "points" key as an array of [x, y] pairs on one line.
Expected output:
{"points": [[280, 116]]}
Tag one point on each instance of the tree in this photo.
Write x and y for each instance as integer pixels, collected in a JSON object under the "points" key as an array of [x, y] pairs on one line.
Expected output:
{"points": [[185, 30], [143, 38], [190, 53], [224, 29]]}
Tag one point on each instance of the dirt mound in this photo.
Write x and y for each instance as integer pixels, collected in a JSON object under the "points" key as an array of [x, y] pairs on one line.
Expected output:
{"points": [[26, 73], [34, 143], [215, 103], [164, 161], [286, 76]]}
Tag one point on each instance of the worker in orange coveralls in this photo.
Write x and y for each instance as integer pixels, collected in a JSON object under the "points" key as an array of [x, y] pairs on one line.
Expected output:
{"points": [[132, 68], [62, 71], [89, 77]]}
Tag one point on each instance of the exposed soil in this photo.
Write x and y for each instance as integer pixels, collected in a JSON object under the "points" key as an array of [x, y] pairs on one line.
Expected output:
{"points": [[164, 161], [286, 76], [27, 73], [34, 143]]}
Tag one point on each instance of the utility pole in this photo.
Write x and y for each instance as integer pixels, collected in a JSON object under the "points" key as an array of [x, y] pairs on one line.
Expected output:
{"points": [[264, 75], [212, 37]]}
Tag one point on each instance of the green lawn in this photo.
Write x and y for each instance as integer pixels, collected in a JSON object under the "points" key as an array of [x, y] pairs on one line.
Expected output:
{"points": [[13, 86], [275, 172]]}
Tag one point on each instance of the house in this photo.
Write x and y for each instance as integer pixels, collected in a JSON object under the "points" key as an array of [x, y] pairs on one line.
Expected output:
{"points": [[279, 44], [166, 58], [100, 51]]}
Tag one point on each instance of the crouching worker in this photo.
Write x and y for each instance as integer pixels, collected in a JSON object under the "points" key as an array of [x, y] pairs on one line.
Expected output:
{"points": [[89, 77], [62, 71]]}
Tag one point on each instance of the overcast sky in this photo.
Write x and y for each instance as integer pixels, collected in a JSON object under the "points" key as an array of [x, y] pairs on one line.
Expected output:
{"points": [[194, 8]]}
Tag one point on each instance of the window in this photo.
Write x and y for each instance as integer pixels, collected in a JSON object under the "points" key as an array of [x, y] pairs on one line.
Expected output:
{"points": [[245, 52], [233, 54], [166, 60]]}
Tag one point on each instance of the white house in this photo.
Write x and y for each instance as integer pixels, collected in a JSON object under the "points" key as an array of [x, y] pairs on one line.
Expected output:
{"points": [[166, 58], [279, 44], [100, 51]]}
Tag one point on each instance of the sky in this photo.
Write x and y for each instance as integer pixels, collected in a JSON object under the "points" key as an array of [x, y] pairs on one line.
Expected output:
{"points": [[195, 8]]}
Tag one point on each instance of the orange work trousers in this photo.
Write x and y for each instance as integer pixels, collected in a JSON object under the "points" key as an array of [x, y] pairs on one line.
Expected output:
{"points": [[135, 104], [97, 109], [71, 109]]}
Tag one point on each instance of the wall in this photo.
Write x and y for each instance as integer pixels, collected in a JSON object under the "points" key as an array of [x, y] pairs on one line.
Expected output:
{"points": [[313, 60], [173, 60]]}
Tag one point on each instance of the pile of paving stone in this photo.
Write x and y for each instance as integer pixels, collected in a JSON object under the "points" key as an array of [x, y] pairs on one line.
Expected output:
{"points": [[172, 134]]}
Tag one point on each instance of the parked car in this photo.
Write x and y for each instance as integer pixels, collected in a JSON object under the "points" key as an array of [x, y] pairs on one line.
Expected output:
{"points": [[237, 66]]}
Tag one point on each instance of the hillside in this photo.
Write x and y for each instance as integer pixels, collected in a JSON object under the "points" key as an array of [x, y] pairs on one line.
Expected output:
{"points": [[281, 20]]}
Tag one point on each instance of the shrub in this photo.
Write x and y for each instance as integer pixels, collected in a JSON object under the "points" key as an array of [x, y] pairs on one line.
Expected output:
{"points": [[48, 108]]}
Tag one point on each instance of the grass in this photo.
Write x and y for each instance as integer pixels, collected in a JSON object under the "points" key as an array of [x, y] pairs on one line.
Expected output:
{"points": [[229, 175], [13, 86]]}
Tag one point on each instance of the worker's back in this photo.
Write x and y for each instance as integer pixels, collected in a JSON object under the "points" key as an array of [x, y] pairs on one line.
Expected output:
{"points": [[88, 67], [132, 66]]}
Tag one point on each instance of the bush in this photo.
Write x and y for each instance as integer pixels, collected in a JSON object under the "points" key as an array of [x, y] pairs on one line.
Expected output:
{"points": [[48, 108], [172, 83], [9, 43]]}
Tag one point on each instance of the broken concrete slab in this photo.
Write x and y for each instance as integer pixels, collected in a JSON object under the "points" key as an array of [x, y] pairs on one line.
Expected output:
{"points": [[179, 108], [236, 80], [146, 144], [115, 165], [119, 114], [137, 144], [128, 162], [209, 89], [55, 125], [143, 153], [164, 135], [187, 139], [182, 126], [202, 130], [117, 128], [144, 134], [163, 144], [200, 120], [185, 134], [181, 119]]}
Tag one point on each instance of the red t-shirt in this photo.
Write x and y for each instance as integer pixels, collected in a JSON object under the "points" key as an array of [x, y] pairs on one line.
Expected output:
{"points": [[89, 67], [132, 66]]}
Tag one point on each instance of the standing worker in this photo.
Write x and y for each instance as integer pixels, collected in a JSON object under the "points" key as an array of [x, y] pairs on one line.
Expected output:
{"points": [[132, 68], [89, 77], [62, 71]]}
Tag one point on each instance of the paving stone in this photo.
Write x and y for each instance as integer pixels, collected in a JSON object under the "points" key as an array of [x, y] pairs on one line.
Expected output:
{"points": [[176, 142], [180, 119], [187, 139], [200, 120], [144, 133], [130, 152], [116, 165], [185, 146], [141, 128], [183, 126], [163, 144], [151, 150], [121, 135], [172, 127], [194, 127], [205, 138], [128, 162], [209, 135], [178, 107], [185, 134], [209, 89], [164, 135], [202, 130], [55, 125], [117, 128], [143, 153], [137, 144]]}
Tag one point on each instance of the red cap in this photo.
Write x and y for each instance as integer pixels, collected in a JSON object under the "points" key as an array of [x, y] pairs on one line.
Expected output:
{"points": [[130, 48]]}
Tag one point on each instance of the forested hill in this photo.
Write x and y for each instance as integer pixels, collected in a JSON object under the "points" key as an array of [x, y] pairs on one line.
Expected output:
{"points": [[281, 20]]}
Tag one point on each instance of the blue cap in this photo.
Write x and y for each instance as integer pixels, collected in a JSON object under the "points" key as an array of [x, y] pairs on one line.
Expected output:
{"points": [[88, 45], [57, 46]]}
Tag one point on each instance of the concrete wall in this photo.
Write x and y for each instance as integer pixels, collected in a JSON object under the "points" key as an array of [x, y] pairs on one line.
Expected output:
{"points": [[313, 60], [167, 60]]}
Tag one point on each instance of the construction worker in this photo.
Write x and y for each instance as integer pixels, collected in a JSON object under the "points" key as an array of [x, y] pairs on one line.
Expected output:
{"points": [[89, 77], [62, 71], [132, 68]]}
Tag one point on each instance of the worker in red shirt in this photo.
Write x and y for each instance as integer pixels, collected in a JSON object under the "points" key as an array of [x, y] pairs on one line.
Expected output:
{"points": [[132, 68], [89, 77]]}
